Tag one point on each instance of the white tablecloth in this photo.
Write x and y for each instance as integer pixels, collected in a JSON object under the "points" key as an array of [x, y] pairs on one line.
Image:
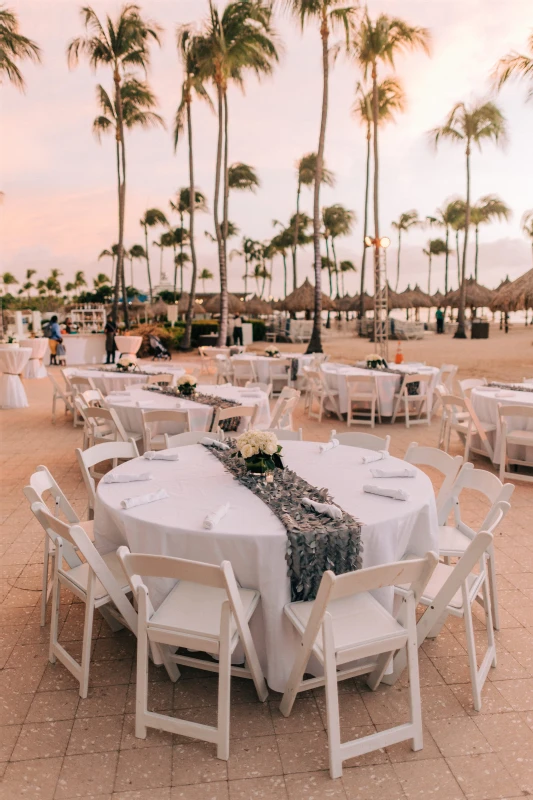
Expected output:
{"points": [[200, 416], [262, 364], [35, 367], [128, 345], [12, 363], [485, 402], [388, 383], [111, 381], [251, 537]]}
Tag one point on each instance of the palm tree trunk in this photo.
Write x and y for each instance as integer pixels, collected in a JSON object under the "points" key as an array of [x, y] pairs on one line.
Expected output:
{"points": [[245, 274], [398, 260], [148, 263], [122, 203], [477, 252], [175, 270], [283, 255], [115, 272], [328, 323], [191, 199], [186, 342], [365, 226], [429, 275], [375, 118], [223, 324], [315, 342], [295, 237], [446, 262], [335, 265], [458, 259], [460, 332]]}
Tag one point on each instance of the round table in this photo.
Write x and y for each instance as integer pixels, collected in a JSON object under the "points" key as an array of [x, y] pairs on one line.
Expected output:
{"points": [[12, 363], [388, 382], [129, 409], [110, 380], [485, 400], [263, 364], [35, 367], [128, 345], [251, 537]]}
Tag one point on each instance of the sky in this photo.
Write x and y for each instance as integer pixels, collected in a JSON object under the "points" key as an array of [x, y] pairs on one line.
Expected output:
{"points": [[60, 209]]}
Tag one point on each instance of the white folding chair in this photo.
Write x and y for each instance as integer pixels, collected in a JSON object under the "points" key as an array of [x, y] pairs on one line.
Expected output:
{"points": [[79, 384], [94, 398], [283, 434], [318, 390], [190, 437], [346, 623], [366, 440], [247, 415], [404, 399], [446, 375], [265, 387], [99, 582], [243, 371], [447, 465], [452, 590], [159, 378], [102, 425], [455, 539], [515, 438], [282, 416], [224, 369], [466, 386], [363, 400], [207, 611], [459, 416], [156, 441], [42, 482], [205, 362], [108, 451], [65, 395], [280, 373]]}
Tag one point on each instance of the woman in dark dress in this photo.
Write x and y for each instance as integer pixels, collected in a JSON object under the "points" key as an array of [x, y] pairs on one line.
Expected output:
{"points": [[110, 346]]}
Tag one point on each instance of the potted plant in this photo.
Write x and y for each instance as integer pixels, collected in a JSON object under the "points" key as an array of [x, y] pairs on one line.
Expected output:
{"points": [[260, 450], [186, 385]]}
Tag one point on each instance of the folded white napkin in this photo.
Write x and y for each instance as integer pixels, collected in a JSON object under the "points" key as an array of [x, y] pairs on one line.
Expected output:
{"points": [[403, 472], [396, 494], [214, 443], [374, 457], [214, 518], [325, 446], [120, 392], [323, 508], [161, 455], [142, 499], [144, 403], [128, 477]]}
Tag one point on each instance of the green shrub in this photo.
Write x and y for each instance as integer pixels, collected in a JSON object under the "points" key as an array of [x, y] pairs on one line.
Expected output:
{"points": [[258, 329], [200, 327]]}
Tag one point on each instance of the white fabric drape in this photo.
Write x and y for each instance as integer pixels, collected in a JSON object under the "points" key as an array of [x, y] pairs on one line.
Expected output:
{"points": [[35, 367], [12, 363]]}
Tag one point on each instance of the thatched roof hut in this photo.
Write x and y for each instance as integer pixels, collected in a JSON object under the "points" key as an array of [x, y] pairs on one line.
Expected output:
{"points": [[477, 296], [235, 306], [344, 303], [158, 309], [183, 305], [418, 298], [438, 299], [303, 299], [398, 300], [356, 302], [258, 307], [137, 304], [514, 296]]}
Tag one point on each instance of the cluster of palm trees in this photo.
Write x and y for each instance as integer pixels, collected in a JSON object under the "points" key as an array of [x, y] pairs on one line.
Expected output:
{"points": [[50, 286], [221, 51]]}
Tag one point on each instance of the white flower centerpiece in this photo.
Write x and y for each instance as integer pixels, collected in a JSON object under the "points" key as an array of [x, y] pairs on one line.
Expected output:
{"points": [[260, 450], [272, 352], [126, 364], [186, 385], [375, 361]]}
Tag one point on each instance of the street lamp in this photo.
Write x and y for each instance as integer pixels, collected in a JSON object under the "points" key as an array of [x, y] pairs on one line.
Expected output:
{"points": [[384, 242]]}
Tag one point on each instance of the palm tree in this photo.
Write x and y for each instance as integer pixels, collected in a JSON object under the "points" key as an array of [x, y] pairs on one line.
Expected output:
{"points": [[407, 220], [346, 266], [136, 251], [180, 262], [436, 247], [151, 218], [250, 252], [192, 86], [181, 207], [205, 275], [243, 177], [260, 275], [14, 47], [451, 216], [377, 43], [101, 280], [470, 125], [527, 225], [339, 222], [516, 65], [112, 254], [8, 279], [283, 242], [391, 99], [166, 240], [487, 209], [119, 45], [239, 39]]}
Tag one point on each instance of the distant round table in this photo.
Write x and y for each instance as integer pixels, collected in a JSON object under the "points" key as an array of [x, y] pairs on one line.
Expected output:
{"points": [[128, 345], [12, 363], [35, 367], [485, 400], [111, 380]]}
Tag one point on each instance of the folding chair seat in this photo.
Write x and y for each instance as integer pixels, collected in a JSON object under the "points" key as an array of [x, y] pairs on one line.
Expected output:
{"points": [[366, 440]]}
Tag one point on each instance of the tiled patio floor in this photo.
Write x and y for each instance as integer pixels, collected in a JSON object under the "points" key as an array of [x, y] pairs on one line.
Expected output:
{"points": [[53, 745]]}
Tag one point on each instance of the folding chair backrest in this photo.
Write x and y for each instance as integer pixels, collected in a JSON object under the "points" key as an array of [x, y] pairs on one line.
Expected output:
{"points": [[361, 384], [409, 379], [244, 368], [80, 383], [282, 416], [246, 412], [284, 434], [59, 391], [471, 383], [366, 440], [94, 397], [453, 403], [106, 416], [190, 437], [279, 366], [514, 411], [497, 493], [447, 465], [446, 376], [40, 483], [106, 451], [178, 416]]}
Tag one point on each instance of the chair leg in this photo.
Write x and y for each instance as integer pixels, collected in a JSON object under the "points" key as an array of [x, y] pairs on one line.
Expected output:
{"points": [[332, 702], [414, 690], [224, 683], [491, 567], [54, 622], [471, 650], [141, 691], [87, 637], [44, 591]]}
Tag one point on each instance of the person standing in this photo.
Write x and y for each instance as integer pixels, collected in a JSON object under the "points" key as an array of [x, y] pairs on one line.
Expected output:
{"points": [[237, 329], [439, 314], [54, 339], [110, 346]]}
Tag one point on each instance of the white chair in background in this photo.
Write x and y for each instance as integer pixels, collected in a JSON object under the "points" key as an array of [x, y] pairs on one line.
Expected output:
{"points": [[455, 539], [65, 395], [515, 438], [190, 437], [346, 623], [363, 400], [99, 582], [246, 413], [447, 465], [366, 440], [446, 375], [280, 373], [41, 483], [420, 400], [459, 416], [94, 398], [243, 371], [452, 590], [156, 441], [282, 415], [466, 386], [207, 611], [284, 434], [224, 369], [265, 387], [108, 451], [102, 425], [318, 390]]}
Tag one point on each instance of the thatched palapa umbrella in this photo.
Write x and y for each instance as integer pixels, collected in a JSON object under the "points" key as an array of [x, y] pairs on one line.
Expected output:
{"points": [[183, 305], [258, 307], [157, 309], [303, 299], [235, 306], [356, 303], [398, 300], [477, 296], [438, 299], [344, 303], [507, 295]]}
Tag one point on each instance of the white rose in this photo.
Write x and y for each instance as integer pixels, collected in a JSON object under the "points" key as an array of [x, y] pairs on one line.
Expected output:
{"points": [[247, 451]]}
